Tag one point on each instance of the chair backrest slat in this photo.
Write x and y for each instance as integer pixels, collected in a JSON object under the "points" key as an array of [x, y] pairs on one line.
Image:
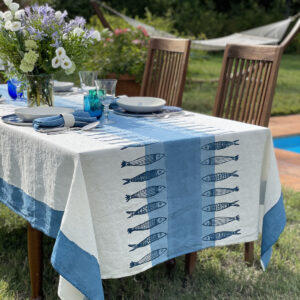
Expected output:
{"points": [[247, 83], [165, 70]]}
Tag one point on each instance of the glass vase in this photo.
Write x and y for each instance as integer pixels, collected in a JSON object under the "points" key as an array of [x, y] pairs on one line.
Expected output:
{"points": [[40, 90]]}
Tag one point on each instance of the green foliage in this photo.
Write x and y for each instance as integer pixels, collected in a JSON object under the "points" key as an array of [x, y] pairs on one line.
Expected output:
{"points": [[122, 51], [75, 7]]}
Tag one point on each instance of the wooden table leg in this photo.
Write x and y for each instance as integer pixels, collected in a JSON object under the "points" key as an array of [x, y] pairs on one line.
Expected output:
{"points": [[249, 253], [35, 259], [190, 263]]}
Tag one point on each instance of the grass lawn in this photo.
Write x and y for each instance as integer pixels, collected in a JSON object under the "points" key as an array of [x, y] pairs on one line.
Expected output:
{"points": [[200, 96], [220, 272]]}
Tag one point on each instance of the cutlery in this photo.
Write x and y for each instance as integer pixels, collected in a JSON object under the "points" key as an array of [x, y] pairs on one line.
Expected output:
{"points": [[59, 130]]}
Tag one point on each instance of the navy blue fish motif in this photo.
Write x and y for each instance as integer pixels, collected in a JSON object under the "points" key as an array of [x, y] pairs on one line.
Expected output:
{"points": [[148, 240], [219, 191], [144, 160], [218, 160], [218, 221], [219, 176], [220, 235], [137, 145], [148, 224], [219, 206], [147, 192], [146, 208], [145, 176], [149, 257], [219, 145]]}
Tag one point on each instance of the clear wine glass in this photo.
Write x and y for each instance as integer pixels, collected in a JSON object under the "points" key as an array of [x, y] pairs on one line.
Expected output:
{"points": [[87, 80], [106, 89]]}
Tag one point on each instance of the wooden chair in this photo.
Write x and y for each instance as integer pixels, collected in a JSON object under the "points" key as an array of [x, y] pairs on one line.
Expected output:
{"points": [[165, 69], [245, 93]]}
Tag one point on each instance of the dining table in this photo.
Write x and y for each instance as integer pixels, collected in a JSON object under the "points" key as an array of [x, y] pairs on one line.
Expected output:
{"points": [[124, 197]]}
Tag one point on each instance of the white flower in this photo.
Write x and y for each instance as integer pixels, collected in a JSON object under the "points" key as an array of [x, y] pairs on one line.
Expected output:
{"points": [[15, 26], [58, 14], [7, 25], [56, 61], [65, 36], [78, 31], [7, 16], [96, 35], [19, 14], [7, 2], [60, 52], [1, 15], [66, 63], [14, 6]]}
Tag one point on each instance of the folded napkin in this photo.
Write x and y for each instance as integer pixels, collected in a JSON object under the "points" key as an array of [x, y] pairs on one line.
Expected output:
{"points": [[78, 118]]}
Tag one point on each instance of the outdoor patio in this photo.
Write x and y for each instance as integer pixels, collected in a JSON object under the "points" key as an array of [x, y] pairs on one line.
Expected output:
{"points": [[136, 157]]}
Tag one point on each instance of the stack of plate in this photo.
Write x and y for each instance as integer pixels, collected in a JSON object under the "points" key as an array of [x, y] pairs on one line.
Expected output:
{"points": [[25, 116], [139, 106]]}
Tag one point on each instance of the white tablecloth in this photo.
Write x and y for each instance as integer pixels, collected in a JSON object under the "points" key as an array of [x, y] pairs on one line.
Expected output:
{"points": [[123, 198]]}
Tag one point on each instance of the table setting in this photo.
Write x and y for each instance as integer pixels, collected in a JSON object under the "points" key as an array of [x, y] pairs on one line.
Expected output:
{"points": [[123, 183], [123, 197]]}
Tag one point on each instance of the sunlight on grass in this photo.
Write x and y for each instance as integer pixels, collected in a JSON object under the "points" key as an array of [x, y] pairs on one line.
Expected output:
{"points": [[220, 272]]}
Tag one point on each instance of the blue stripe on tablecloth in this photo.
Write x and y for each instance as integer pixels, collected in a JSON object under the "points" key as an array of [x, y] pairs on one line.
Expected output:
{"points": [[183, 156], [87, 278], [273, 224], [37, 213]]}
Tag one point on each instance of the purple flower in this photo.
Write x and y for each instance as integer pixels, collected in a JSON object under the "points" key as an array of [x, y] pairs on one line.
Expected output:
{"points": [[56, 44]]}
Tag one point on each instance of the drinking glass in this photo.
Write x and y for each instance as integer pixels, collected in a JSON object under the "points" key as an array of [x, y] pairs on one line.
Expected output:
{"points": [[87, 81], [19, 88], [106, 89]]}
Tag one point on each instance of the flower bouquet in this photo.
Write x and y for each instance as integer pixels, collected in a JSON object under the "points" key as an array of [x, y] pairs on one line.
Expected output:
{"points": [[38, 41]]}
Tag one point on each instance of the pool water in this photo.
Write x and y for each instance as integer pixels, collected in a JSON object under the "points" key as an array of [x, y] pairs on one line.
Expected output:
{"points": [[289, 143]]}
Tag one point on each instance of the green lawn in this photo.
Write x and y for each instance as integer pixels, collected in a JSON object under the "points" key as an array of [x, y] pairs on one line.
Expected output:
{"points": [[200, 96], [220, 272]]}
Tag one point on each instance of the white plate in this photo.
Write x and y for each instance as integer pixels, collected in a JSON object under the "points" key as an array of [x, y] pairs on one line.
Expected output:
{"points": [[30, 113], [60, 86], [141, 104]]}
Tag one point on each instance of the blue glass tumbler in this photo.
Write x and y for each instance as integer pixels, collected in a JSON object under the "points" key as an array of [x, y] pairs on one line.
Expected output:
{"points": [[12, 90], [92, 104]]}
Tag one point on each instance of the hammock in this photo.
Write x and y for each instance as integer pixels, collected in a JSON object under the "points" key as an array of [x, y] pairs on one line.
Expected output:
{"points": [[270, 34]]}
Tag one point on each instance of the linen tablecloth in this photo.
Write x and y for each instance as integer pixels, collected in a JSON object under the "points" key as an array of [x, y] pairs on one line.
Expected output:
{"points": [[123, 198]]}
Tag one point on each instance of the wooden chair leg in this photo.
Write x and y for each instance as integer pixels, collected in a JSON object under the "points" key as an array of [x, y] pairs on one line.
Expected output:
{"points": [[249, 253], [190, 263], [35, 259]]}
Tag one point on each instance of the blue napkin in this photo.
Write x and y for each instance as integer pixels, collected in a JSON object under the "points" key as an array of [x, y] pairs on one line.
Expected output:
{"points": [[82, 118]]}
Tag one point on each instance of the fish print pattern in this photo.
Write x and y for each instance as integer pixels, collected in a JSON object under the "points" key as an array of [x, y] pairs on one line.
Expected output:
{"points": [[219, 145], [218, 221], [149, 257], [220, 235], [144, 160], [219, 191], [145, 176], [147, 208], [148, 224], [146, 193], [148, 240], [219, 176], [218, 160], [137, 145], [219, 206]]}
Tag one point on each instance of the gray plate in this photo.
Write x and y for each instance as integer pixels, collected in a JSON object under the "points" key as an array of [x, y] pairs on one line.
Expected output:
{"points": [[15, 120]]}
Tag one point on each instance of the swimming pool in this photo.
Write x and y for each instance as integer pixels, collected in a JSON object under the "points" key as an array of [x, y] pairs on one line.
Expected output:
{"points": [[289, 143]]}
